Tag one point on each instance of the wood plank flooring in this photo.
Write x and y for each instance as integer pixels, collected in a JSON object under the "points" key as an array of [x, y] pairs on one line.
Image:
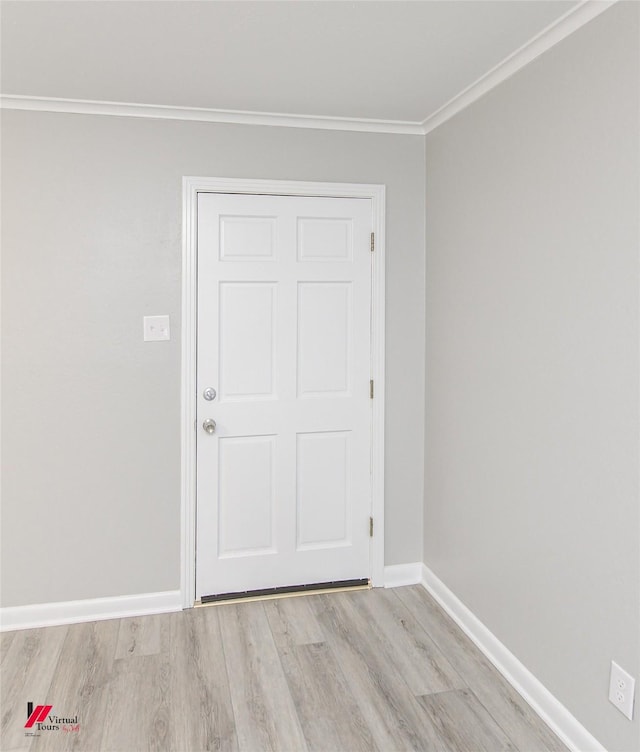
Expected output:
{"points": [[362, 671]]}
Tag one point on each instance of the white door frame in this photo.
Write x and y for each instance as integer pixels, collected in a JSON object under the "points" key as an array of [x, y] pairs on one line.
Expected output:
{"points": [[191, 186]]}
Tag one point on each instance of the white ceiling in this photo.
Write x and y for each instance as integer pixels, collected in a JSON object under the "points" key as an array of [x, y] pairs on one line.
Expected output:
{"points": [[394, 60]]}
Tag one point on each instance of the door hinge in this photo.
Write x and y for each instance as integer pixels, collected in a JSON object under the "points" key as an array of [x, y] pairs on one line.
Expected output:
{"points": [[370, 527], [373, 242], [371, 389]]}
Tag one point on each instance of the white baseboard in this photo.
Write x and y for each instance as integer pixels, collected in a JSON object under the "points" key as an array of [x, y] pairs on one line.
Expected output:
{"points": [[93, 609], [398, 575], [551, 710]]}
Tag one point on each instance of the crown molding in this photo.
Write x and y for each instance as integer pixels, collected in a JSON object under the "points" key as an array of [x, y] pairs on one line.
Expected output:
{"points": [[202, 114], [571, 21]]}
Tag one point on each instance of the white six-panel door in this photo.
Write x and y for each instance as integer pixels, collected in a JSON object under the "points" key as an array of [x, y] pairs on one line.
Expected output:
{"points": [[284, 331]]}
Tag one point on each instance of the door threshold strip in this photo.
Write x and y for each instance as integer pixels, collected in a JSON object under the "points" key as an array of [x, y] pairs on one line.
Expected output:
{"points": [[316, 588]]}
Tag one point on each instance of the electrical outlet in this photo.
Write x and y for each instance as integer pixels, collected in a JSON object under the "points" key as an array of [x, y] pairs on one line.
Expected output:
{"points": [[622, 688]]}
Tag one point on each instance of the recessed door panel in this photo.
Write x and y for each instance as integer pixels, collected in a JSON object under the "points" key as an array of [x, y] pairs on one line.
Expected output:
{"points": [[326, 239], [247, 340], [246, 495], [324, 338], [247, 238], [323, 489]]}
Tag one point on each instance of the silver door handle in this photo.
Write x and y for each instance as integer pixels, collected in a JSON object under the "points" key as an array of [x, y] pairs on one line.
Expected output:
{"points": [[209, 393], [209, 425]]}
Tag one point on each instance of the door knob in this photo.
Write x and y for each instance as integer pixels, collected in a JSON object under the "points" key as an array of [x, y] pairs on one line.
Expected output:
{"points": [[209, 425]]}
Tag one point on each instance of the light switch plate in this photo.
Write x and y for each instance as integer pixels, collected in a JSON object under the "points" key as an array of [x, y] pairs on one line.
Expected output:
{"points": [[156, 328]]}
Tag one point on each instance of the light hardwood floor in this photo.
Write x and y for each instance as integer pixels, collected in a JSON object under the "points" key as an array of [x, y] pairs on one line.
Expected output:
{"points": [[368, 670]]}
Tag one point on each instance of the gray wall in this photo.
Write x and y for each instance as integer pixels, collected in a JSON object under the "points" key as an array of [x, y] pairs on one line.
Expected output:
{"points": [[92, 242], [531, 473]]}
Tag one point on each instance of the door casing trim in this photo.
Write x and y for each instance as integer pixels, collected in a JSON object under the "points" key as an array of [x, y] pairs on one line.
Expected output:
{"points": [[191, 186]]}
